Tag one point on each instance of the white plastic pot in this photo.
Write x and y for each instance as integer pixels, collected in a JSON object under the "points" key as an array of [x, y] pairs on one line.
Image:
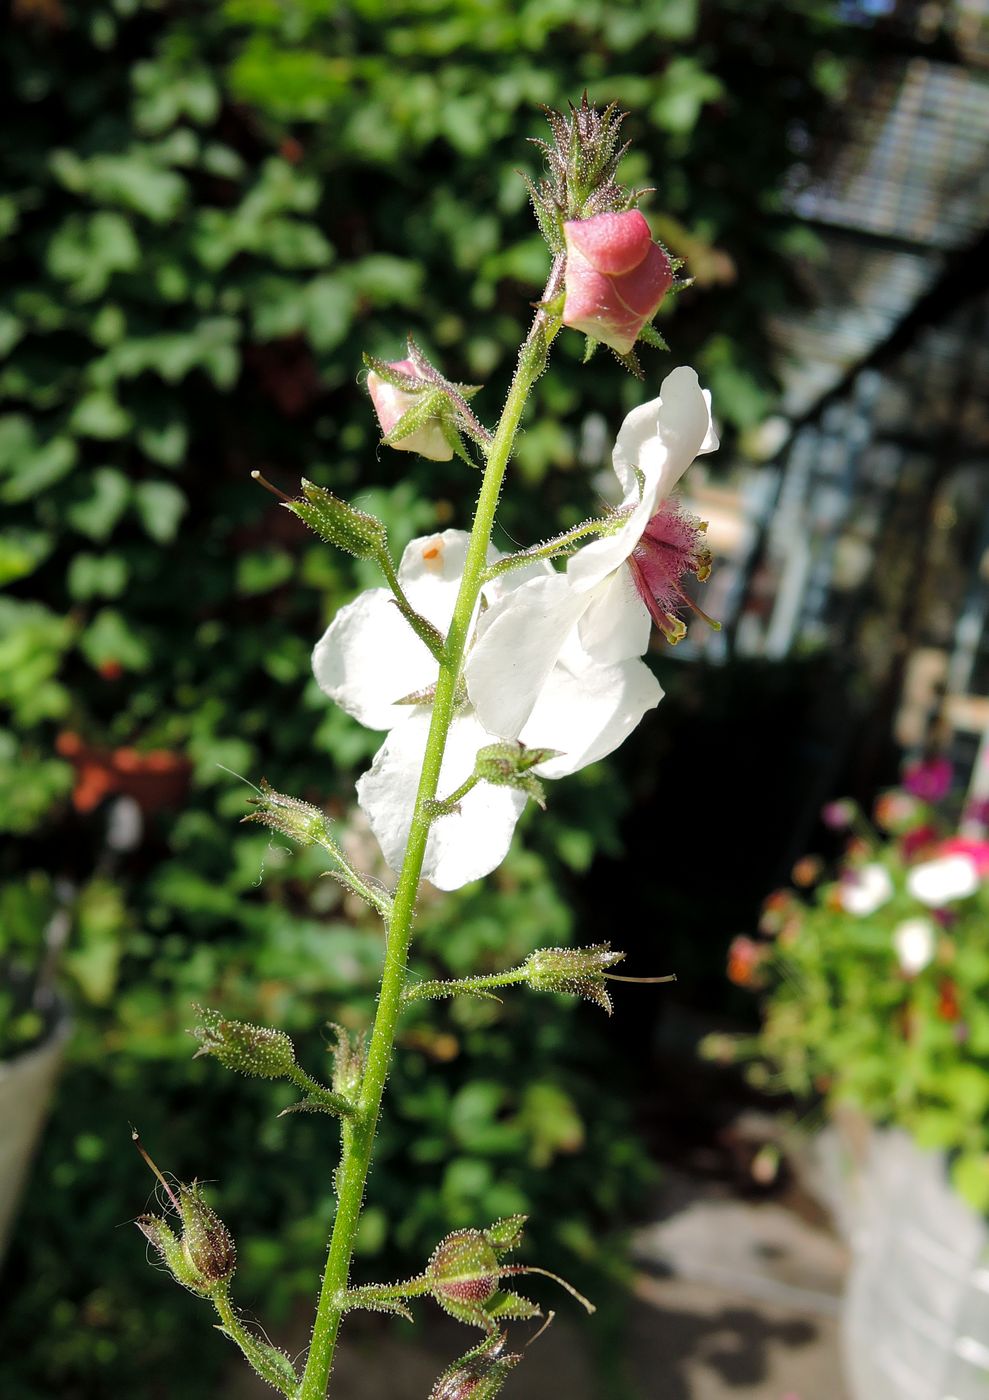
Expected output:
{"points": [[26, 1085], [915, 1317]]}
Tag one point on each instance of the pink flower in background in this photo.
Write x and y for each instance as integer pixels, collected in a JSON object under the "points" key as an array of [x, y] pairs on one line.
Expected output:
{"points": [[390, 402], [744, 959], [976, 851], [839, 814], [616, 277], [929, 779]]}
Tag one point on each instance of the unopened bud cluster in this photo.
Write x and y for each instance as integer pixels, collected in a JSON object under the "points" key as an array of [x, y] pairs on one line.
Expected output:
{"points": [[203, 1256], [576, 971]]}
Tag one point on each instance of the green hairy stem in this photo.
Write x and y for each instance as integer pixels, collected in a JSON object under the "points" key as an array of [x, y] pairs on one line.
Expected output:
{"points": [[359, 1130]]}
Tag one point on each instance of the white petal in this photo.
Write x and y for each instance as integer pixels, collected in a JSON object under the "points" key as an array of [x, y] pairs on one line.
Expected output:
{"points": [[865, 889], [430, 572], [586, 712], [937, 882], [915, 943], [660, 439], [616, 624], [461, 847], [518, 641], [669, 432], [370, 657]]}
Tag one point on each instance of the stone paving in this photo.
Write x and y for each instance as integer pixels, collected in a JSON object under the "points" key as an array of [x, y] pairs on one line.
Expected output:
{"points": [[732, 1300]]}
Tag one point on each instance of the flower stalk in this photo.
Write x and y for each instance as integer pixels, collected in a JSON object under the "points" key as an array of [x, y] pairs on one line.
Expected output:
{"points": [[359, 1132]]}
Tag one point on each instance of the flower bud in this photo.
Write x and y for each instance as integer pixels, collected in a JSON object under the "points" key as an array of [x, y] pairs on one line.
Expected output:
{"points": [[340, 524], [206, 1242], [255, 1050], [616, 277], [397, 388], [349, 1056], [578, 972], [510, 764], [205, 1256], [463, 1272], [479, 1375]]}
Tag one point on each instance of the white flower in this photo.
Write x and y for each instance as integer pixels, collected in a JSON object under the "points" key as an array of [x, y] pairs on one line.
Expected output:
{"points": [[864, 889], [520, 638], [914, 941], [937, 882], [369, 659]]}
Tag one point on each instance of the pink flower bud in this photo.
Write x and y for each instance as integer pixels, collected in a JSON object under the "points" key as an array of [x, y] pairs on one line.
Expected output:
{"points": [[391, 402], [616, 277]]}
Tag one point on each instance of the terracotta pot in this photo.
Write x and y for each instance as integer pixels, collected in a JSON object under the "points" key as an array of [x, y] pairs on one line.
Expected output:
{"points": [[155, 778], [26, 1085]]}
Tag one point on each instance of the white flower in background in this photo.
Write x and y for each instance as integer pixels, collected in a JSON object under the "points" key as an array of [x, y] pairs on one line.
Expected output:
{"points": [[864, 889], [938, 882], [914, 941], [615, 587], [369, 659]]}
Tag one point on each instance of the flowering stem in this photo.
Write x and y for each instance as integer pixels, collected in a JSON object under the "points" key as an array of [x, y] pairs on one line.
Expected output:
{"points": [[259, 1356], [359, 1131], [559, 544], [464, 986]]}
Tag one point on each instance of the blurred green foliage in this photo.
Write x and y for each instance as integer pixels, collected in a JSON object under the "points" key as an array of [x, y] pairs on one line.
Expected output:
{"points": [[209, 213]]}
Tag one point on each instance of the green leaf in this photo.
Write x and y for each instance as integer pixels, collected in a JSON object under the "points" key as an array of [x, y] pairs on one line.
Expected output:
{"points": [[98, 512], [109, 639], [970, 1178], [160, 506], [97, 576], [21, 552], [262, 570], [30, 465], [88, 249], [99, 415], [682, 91]]}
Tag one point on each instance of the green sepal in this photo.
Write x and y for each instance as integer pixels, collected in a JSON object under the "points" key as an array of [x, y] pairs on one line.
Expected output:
{"points": [[506, 1234], [375, 1298], [578, 972], [455, 442], [408, 383], [547, 215], [509, 1306], [480, 1374], [338, 523], [349, 1057], [427, 409], [271, 1364], [313, 1104], [630, 362], [590, 349], [649, 335], [509, 764], [254, 1050]]}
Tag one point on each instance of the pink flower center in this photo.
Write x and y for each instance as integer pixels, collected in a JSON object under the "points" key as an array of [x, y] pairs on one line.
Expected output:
{"points": [[671, 545]]}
